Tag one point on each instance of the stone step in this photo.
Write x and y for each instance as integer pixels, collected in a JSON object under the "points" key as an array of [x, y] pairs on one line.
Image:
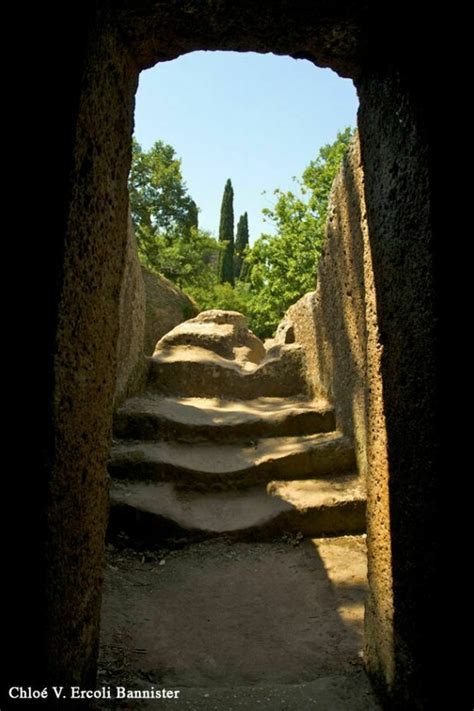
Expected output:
{"points": [[155, 511], [152, 416], [197, 372], [205, 466]]}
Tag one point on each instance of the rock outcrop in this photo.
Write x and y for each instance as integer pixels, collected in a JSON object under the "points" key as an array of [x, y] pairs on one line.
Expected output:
{"points": [[150, 306], [166, 306]]}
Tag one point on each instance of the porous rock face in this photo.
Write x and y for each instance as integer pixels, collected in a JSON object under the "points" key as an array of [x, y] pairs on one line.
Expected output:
{"points": [[165, 306], [404, 522], [131, 364], [337, 323], [343, 327], [223, 332], [338, 327], [150, 306]]}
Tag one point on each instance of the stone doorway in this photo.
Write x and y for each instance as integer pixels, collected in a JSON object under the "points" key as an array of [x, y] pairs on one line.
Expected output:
{"points": [[400, 167]]}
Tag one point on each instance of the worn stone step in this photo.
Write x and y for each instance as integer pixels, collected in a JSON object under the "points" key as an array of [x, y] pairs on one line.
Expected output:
{"points": [[190, 371], [204, 465], [155, 511], [152, 416]]}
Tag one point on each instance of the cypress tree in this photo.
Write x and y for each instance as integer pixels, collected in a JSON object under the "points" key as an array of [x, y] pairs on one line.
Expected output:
{"points": [[193, 215], [192, 219], [226, 235], [241, 242]]}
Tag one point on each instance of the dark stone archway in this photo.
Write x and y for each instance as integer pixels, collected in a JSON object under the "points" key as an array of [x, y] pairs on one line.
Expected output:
{"points": [[76, 353]]}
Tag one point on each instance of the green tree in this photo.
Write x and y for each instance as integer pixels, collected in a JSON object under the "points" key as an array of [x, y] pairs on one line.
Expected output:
{"points": [[282, 267], [160, 204], [241, 243], [221, 296], [226, 236], [188, 262], [192, 221], [165, 219]]}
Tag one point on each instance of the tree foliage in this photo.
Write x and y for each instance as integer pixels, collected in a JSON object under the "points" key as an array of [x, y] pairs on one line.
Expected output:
{"points": [[188, 262], [221, 296], [271, 275], [241, 243], [282, 267], [192, 220], [226, 236], [161, 206], [165, 219]]}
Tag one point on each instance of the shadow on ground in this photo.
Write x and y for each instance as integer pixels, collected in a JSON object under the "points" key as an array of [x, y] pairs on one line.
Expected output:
{"points": [[238, 625]]}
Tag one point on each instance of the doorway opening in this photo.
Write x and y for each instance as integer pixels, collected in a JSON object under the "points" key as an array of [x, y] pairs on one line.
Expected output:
{"points": [[235, 474]]}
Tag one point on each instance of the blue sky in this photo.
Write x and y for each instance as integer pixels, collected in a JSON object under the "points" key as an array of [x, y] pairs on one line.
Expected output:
{"points": [[256, 119]]}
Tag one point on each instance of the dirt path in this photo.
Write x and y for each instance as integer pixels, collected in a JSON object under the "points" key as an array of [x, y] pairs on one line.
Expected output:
{"points": [[238, 626]]}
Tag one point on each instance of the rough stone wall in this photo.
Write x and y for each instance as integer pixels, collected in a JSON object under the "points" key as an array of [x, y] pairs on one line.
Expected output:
{"points": [[330, 34], [91, 265], [337, 323], [150, 306], [348, 368], [404, 527], [365, 330], [166, 307], [131, 362], [338, 326]]}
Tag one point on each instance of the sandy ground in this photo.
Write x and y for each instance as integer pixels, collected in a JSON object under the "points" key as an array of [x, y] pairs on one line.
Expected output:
{"points": [[238, 625]]}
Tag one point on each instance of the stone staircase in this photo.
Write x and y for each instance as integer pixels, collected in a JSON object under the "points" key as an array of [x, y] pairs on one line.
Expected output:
{"points": [[227, 440]]}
